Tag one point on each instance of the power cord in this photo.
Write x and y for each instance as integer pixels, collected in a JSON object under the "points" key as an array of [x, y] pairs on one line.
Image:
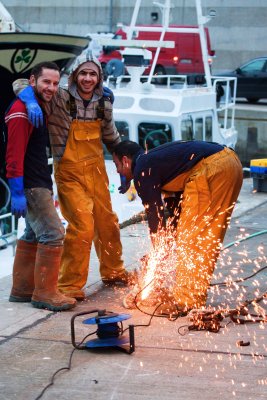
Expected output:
{"points": [[63, 368], [80, 347], [239, 280], [244, 239], [179, 313]]}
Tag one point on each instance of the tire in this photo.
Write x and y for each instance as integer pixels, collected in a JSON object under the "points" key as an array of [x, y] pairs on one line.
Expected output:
{"points": [[252, 99], [159, 70]]}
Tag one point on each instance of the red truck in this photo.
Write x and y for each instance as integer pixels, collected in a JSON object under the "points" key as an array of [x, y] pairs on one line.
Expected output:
{"points": [[185, 58]]}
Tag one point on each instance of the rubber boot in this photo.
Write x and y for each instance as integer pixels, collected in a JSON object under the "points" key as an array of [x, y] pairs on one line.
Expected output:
{"points": [[46, 295], [23, 272]]}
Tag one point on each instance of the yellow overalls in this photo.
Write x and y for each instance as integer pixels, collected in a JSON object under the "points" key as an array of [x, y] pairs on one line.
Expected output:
{"points": [[210, 189], [85, 203]]}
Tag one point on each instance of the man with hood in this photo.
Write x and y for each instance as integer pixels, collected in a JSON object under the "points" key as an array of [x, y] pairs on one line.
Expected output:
{"points": [[79, 120]]}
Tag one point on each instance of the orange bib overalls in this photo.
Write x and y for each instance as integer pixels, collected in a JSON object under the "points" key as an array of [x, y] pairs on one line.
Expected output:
{"points": [[210, 190], [86, 205]]}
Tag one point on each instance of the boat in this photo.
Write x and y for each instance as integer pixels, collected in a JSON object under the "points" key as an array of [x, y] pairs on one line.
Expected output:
{"points": [[152, 114], [21, 51]]}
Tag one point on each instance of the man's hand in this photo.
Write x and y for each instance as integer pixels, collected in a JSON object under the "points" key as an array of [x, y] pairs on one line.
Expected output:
{"points": [[125, 185], [18, 199], [107, 92], [35, 113]]}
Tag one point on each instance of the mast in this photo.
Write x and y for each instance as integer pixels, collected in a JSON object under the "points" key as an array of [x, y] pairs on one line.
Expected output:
{"points": [[203, 42]]}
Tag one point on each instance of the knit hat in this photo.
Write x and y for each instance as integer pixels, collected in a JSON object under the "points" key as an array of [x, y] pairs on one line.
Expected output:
{"points": [[87, 65]]}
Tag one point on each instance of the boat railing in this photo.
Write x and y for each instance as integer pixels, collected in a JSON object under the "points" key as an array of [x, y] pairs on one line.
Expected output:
{"points": [[164, 81], [225, 88], [9, 237], [8, 233]]}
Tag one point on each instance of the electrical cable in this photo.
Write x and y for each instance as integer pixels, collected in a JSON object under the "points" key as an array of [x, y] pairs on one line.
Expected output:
{"points": [[172, 318], [243, 239], [179, 312], [239, 280], [63, 368]]}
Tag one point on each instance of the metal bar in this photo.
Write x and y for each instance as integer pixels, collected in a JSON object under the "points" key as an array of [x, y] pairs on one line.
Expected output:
{"points": [[133, 20], [136, 43], [202, 34]]}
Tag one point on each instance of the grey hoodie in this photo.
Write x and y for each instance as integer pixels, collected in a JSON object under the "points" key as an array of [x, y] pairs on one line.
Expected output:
{"points": [[58, 111]]}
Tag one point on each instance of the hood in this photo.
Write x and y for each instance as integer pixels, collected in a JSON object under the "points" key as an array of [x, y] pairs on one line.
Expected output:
{"points": [[81, 59]]}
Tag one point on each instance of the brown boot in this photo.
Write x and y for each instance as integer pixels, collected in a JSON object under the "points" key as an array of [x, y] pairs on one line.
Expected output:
{"points": [[46, 295], [23, 272]]}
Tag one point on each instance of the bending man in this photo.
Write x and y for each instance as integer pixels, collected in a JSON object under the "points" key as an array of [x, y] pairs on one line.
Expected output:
{"points": [[210, 177]]}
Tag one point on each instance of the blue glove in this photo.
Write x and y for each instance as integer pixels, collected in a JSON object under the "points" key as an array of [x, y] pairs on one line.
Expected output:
{"points": [[107, 92], [35, 113], [124, 185], [18, 199]]}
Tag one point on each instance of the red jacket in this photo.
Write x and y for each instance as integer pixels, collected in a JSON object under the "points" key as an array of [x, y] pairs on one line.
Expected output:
{"points": [[26, 149], [19, 132]]}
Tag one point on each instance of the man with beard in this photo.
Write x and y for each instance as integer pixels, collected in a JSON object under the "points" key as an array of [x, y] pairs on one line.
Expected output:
{"points": [[39, 250]]}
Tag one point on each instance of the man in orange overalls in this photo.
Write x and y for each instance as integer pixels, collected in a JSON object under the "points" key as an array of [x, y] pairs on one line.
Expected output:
{"points": [[79, 120], [210, 177]]}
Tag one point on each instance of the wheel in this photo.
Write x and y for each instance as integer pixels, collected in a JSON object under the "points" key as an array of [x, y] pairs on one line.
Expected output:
{"points": [[159, 70], [252, 99], [154, 139]]}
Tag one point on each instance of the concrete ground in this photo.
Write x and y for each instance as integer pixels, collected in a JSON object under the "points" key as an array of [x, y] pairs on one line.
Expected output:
{"points": [[169, 361]]}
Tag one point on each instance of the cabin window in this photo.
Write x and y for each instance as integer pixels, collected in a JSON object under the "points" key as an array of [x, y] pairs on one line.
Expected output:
{"points": [[123, 129], [199, 126], [208, 129], [198, 129], [187, 129], [151, 134]]}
